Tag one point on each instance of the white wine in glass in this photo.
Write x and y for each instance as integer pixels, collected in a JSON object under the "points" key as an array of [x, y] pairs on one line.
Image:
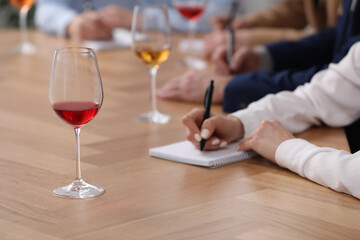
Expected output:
{"points": [[151, 37], [25, 46], [76, 95]]}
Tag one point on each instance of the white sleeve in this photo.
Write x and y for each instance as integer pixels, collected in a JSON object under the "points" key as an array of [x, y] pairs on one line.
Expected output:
{"points": [[54, 16], [338, 170], [331, 98]]}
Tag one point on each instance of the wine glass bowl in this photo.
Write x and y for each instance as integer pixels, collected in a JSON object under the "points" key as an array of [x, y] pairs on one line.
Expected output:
{"points": [[191, 10], [152, 54], [151, 37], [23, 6], [76, 96]]}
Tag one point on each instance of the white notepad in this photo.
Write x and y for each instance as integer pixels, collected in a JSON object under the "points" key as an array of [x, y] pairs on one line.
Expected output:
{"points": [[185, 152]]}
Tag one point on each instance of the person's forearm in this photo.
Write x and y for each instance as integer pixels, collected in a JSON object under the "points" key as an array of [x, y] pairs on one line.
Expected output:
{"points": [[261, 36], [338, 170], [328, 98]]}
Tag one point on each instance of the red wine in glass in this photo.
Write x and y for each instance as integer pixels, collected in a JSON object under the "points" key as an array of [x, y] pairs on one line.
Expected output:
{"points": [[190, 11], [76, 113], [76, 95]]}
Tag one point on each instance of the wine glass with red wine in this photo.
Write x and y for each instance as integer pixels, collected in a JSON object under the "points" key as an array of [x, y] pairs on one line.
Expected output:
{"points": [[76, 95], [192, 10], [23, 6]]}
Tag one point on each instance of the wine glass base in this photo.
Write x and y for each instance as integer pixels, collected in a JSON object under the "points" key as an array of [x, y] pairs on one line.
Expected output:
{"points": [[79, 189], [25, 48], [191, 46], [195, 63], [195, 48], [153, 117], [192, 63]]}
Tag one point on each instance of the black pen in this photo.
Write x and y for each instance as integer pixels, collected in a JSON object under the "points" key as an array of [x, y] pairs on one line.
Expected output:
{"points": [[230, 44], [230, 32], [207, 106]]}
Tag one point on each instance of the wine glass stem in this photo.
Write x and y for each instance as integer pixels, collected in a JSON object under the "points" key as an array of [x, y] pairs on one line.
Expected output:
{"points": [[23, 25], [77, 140], [191, 36], [153, 72]]}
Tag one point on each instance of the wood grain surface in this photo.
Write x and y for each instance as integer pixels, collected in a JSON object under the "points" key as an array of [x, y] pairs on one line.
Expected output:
{"points": [[145, 198]]}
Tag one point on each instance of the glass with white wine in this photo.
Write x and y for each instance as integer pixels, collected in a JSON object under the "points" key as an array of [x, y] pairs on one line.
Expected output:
{"points": [[151, 37]]}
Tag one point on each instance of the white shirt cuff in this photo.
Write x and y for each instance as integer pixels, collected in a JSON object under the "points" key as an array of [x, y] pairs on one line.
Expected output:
{"points": [[247, 119], [63, 23], [267, 63], [294, 153]]}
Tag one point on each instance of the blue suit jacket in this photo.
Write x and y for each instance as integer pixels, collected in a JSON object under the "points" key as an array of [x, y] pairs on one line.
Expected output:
{"points": [[296, 62]]}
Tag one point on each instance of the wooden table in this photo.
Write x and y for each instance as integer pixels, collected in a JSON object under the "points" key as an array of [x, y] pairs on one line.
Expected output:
{"points": [[145, 198]]}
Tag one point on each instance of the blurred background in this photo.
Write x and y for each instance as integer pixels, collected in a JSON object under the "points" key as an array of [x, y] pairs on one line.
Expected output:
{"points": [[9, 15]]}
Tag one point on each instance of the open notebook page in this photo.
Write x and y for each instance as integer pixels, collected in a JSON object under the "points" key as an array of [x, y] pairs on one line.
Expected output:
{"points": [[185, 152]]}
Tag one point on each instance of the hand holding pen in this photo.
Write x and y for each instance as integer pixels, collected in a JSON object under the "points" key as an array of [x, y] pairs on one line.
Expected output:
{"points": [[217, 131], [223, 55], [230, 34], [207, 106], [208, 132]]}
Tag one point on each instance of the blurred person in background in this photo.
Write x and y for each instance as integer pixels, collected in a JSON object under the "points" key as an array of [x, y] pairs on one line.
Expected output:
{"points": [[95, 19], [256, 72], [288, 20]]}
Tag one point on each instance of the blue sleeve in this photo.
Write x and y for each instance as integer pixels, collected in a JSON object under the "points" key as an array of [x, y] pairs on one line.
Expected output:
{"points": [[345, 48], [246, 88], [53, 16], [312, 50]]}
